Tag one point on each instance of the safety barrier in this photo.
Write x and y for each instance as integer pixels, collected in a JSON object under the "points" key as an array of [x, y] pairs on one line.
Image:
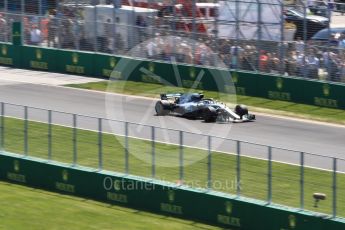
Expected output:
{"points": [[298, 90], [160, 197]]}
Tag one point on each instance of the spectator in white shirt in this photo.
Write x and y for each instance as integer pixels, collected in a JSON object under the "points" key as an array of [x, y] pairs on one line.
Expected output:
{"points": [[35, 36], [312, 65], [299, 45]]}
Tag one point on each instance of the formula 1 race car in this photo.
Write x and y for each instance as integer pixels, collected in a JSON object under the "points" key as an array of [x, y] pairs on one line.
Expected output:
{"points": [[195, 106]]}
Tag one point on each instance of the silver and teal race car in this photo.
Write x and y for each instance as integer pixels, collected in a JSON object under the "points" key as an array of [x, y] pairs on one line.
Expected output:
{"points": [[195, 106]]}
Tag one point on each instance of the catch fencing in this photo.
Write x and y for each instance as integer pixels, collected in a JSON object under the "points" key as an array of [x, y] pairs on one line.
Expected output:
{"points": [[249, 170], [260, 36]]}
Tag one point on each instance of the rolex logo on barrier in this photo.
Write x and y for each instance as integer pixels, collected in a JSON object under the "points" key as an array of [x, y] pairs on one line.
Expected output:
{"points": [[65, 175], [75, 58], [228, 218], [64, 186], [38, 63], [228, 207], [192, 72], [279, 83], [74, 68], [38, 54], [112, 62], [234, 77], [152, 67], [171, 196], [325, 101], [16, 176], [16, 166], [292, 221], [4, 50], [279, 94], [326, 90], [5, 60], [171, 207]]}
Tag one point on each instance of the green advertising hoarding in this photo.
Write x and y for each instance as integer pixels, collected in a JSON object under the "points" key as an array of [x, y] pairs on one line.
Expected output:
{"points": [[17, 34], [73, 62], [245, 83], [296, 90], [160, 197], [7, 53], [105, 65], [39, 58]]}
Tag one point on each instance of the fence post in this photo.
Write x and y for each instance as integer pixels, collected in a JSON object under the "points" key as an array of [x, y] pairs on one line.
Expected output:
{"points": [[237, 26], [75, 147], [194, 33], [282, 40], [100, 145], [25, 130], [2, 127], [22, 12], [269, 175], [302, 180], [209, 162], [181, 157], [153, 151], [96, 29], [6, 18], [40, 8], [304, 39], [77, 28], [49, 134], [334, 213], [238, 167], [126, 149]]}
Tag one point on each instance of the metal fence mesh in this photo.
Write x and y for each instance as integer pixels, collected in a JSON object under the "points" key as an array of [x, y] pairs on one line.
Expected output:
{"points": [[264, 36], [271, 174]]}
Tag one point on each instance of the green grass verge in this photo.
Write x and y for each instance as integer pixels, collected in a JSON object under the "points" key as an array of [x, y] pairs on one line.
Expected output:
{"points": [[26, 208], [285, 177], [256, 104]]}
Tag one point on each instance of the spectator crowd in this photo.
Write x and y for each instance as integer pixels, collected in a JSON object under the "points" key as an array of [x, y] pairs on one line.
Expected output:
{"points": [[65, 30]]}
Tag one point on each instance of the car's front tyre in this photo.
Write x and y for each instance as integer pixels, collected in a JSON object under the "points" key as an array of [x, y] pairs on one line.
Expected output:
{"points": [[162, 108], [241, 110], [210, 114]]}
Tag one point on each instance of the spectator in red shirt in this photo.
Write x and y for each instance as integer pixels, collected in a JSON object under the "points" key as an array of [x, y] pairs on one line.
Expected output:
{"points": [[263, 61]]}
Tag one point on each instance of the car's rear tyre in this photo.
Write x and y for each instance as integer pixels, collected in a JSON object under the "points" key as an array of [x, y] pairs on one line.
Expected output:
{"points": [[210, 114], [162, 108], [241, 110]]}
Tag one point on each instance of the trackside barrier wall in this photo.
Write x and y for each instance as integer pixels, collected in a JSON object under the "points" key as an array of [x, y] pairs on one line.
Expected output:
{"points": [[163, 198], [297, 90]]}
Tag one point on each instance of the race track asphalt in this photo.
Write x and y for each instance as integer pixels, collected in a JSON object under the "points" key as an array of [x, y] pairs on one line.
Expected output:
{"points": [[317, 138]]}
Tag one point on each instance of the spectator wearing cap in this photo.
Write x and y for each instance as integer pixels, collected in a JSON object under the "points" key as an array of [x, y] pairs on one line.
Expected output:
{"points": [[274, 63], [341, 43], [235, 52], [299, 45], [3, 28], [300, 63], [263, 61], [333, 69], [151, 48], [312, 64], [291, 63], [342, 72]]}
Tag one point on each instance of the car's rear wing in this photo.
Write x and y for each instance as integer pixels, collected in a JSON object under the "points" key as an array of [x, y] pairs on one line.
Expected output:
{"points": [[166, 96]]}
